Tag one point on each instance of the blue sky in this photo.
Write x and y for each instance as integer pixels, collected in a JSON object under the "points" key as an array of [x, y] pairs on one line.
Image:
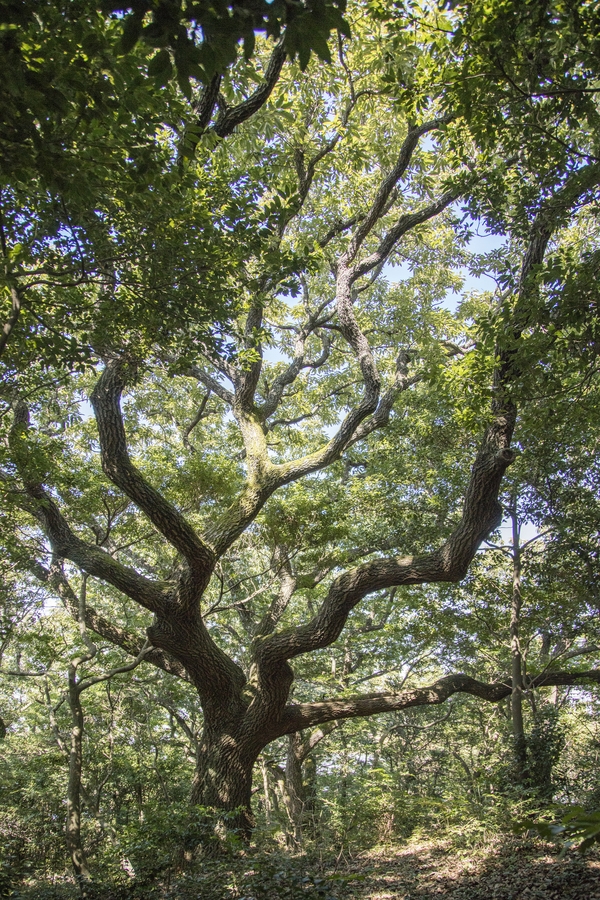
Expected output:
{"points": [[480, 242]]}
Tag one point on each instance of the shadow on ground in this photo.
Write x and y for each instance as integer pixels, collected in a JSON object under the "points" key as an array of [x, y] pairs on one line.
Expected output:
{"points": [[507, 870], [503, 869]]}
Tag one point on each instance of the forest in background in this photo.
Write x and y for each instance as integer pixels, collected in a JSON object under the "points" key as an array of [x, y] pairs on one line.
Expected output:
{"points": [[300, 513]]}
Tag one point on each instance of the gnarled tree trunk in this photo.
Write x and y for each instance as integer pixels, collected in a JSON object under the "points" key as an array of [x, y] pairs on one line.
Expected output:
{"points": [[223, 778]]}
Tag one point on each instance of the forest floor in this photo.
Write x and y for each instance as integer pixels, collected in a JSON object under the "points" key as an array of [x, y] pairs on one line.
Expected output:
{"points": [[500, 869]]}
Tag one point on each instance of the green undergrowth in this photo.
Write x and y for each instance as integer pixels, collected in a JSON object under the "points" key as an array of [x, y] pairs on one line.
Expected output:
{"points": [[144, 864], [240, 875], [409, 870]]}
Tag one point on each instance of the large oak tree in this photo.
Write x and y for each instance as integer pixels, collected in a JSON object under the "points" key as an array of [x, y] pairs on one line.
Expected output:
{"points": [[282, 224]]}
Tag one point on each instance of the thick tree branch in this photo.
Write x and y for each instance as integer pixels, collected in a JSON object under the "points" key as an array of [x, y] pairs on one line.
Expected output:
{"points": [[65, 544], [12, 318], [381, 416], [133, 644], [481, 510], [481, 514], [264, 477], [378, 206], [117, 465], [246, 379], [207, 102], [315, 738], [404, 224], [128, 641], [210, 384], [192, 654], [351, 331], [372, 412], [339, 228], [305, 715], [230, 117]]}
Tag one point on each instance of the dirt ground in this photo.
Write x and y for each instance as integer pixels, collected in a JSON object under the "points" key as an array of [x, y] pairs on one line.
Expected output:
{"points": [[501, 870]]}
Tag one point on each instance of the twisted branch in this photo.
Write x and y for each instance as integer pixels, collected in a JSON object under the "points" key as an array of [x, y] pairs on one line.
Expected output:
{"points": [[303, 715]]}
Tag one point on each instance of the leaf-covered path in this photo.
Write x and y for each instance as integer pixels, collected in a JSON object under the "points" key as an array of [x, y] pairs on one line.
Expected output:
{"points": [[501, 869], [508, 870]]}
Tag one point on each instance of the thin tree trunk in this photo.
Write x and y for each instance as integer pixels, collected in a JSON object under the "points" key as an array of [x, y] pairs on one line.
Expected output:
{"points": [[520, 747], [73, 826], [266, 791], [12, 319], [310, 793], [293, 793], [75, 789]]}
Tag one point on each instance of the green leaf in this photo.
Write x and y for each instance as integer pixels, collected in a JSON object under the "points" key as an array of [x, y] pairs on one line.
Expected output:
{"points": [[132, 29], [160, 65]]}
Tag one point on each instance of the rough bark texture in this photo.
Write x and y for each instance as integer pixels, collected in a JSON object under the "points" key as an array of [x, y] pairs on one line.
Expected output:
{"points": [[223, 779], [293, 788], [303, 715], [12, 320]]}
